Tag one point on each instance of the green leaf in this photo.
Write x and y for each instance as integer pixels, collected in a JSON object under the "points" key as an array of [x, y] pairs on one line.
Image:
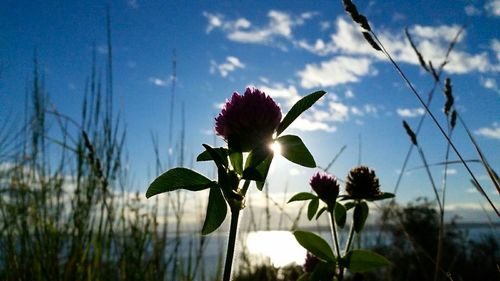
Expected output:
{"points": [[340, 215], [236, 161], [257, 164], [312, 208], [205, 156], [257, 156], [218, 156], [297, 109], [360, 215], [382, 196], [301, 196], [293, 149], [263, 169], [216, 211], [321, 211], [179, 178], [349, 205], [315, 244], [363, 260]]}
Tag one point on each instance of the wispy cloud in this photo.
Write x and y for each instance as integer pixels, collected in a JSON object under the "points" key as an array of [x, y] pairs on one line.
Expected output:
{"points": [[160, 82], [493, 7], [279, 26], [471, 10], [490, 84], [230, 65], [410, 112], [492, 132], [336, 71], [288, 94], [432, 42]]}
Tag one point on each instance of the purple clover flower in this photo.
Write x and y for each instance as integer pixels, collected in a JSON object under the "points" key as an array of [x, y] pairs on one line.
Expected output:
{"points": [[249, 120], [326, 186], [362, 183]]}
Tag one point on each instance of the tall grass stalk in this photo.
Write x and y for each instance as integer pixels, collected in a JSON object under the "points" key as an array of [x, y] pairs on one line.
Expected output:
{"points": [[374, 41]]}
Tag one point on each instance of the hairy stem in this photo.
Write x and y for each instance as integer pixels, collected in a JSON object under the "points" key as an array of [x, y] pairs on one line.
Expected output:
{"points": [[349, 239], [336, 242], [334, 233], [233, 230]]}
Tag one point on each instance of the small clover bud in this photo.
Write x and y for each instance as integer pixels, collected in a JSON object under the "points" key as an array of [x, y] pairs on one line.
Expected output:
{"points": [[362, 183], [310, 262], [326, 186], [248, 121]]}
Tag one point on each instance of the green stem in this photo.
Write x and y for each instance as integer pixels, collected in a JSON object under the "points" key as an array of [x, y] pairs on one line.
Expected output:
{"points": [[349, 238], [233, 231], [334, 233], [336, 242]]}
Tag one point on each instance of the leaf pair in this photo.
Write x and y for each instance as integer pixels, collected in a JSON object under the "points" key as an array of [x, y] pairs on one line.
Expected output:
{"points": [[354, 260]]}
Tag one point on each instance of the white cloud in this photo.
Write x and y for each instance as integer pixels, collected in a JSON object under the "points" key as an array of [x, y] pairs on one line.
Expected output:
{"points": [[279, 26], [214, 21], [349, 94], [338, 112], [336, 71], [492, 132], [491, 84], [356, 111], [493, 7], [495, 47], [289, 94], [159, 81], [410, 112], [304, 124], [471, 10], [431, 41], [230, 65], [450, 172]]}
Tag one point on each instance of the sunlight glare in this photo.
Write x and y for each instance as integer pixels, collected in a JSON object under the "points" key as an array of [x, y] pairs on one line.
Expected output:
{"points": [[276, 147], [280, 247]]}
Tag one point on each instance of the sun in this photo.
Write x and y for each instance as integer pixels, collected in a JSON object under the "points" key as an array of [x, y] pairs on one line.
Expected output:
{"points": [[275, 147]]}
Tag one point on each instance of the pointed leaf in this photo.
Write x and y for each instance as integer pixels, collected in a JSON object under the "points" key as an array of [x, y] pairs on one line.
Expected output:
{"points": [[312, 208], [321, 211], [349, 205], [216, 211], [219, 156], [360, 215], [263, 169], [382, 196], [236, 161], [297, 109], [301, 196], [363, 260], [340, 214], [315, 244], [257, 164], [179, 178], [293, 149], [205, 156]]}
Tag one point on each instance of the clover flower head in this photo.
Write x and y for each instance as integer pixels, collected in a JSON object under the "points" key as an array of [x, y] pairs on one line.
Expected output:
{"points": [[249, 120], [362, 183], [326, 186]]}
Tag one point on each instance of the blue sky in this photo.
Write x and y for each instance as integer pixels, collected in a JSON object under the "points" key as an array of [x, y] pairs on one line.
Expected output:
{"points": [[287, 49]]}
